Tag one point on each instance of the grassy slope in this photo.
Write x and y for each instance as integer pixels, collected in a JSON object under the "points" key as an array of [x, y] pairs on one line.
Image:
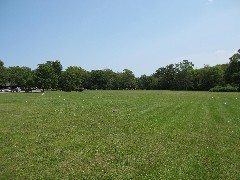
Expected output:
{"points": [[120, 134]]}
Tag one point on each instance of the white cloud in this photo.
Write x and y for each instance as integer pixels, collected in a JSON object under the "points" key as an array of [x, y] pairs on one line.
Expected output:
{"points": [[210, 1]]}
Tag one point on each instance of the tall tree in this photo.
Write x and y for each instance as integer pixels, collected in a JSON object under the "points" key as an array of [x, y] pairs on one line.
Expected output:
{"points": [[66, 81], [110, 76], [15, 75], [147, 82], [208, 77], [72, 78], [166, 77], [3, 74], [45, 76], [128, 80], [184, 75], [232, 73], [99, 79], [57, 67], [117, 80], [20, 76], [1, 63], [28, 76]]}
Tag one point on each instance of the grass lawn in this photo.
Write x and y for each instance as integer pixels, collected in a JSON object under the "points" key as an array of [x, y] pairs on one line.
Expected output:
{"points": [[120, 135]]}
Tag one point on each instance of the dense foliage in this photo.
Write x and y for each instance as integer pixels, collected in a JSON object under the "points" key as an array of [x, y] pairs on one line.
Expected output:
{"points": [[180, 76], [227, 88]]}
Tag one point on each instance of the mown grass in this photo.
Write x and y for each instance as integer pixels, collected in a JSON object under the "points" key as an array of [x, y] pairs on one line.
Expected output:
{"points": [[120, 135]]}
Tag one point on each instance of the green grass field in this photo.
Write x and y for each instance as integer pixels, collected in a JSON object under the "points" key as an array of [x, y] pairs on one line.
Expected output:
{"points": [[120, 135]]}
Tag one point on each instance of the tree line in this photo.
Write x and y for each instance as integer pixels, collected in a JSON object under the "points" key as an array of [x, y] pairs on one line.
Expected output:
{"points": [[180, 76]]}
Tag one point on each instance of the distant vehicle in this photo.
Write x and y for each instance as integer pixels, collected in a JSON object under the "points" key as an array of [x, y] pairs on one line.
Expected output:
{"points": [[17, 89], [6, 90]]}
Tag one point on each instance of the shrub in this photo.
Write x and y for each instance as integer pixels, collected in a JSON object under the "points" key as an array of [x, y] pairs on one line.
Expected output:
{"points": [[79, 89], [227, 88]]}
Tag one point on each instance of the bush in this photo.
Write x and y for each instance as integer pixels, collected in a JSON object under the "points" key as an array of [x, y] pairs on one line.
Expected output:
{"points": [[79, 89], [227, 88]]}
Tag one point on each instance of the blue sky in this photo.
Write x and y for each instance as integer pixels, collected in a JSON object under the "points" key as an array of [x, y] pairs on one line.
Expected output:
{"points": [[140, 35]]}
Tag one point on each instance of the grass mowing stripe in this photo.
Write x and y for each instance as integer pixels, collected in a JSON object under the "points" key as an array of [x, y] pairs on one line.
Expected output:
{"points": [[120, 135]]}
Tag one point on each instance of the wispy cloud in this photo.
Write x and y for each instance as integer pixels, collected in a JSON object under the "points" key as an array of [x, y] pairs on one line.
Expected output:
{"points": [[210, 1]]}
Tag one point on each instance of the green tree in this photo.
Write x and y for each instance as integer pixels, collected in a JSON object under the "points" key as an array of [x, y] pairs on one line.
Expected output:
{"points": [[166, 77], [20, 76], [147, 82], [57, 67], [209, 77], [72, 78], [110, 78], [232, 73], [15, 75], [1, 63], [86, 80], [28, 75], [184, 75], [66, 81], [128, 80], [3, 74], [99, 79], [45, 76], [117, 80]]}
